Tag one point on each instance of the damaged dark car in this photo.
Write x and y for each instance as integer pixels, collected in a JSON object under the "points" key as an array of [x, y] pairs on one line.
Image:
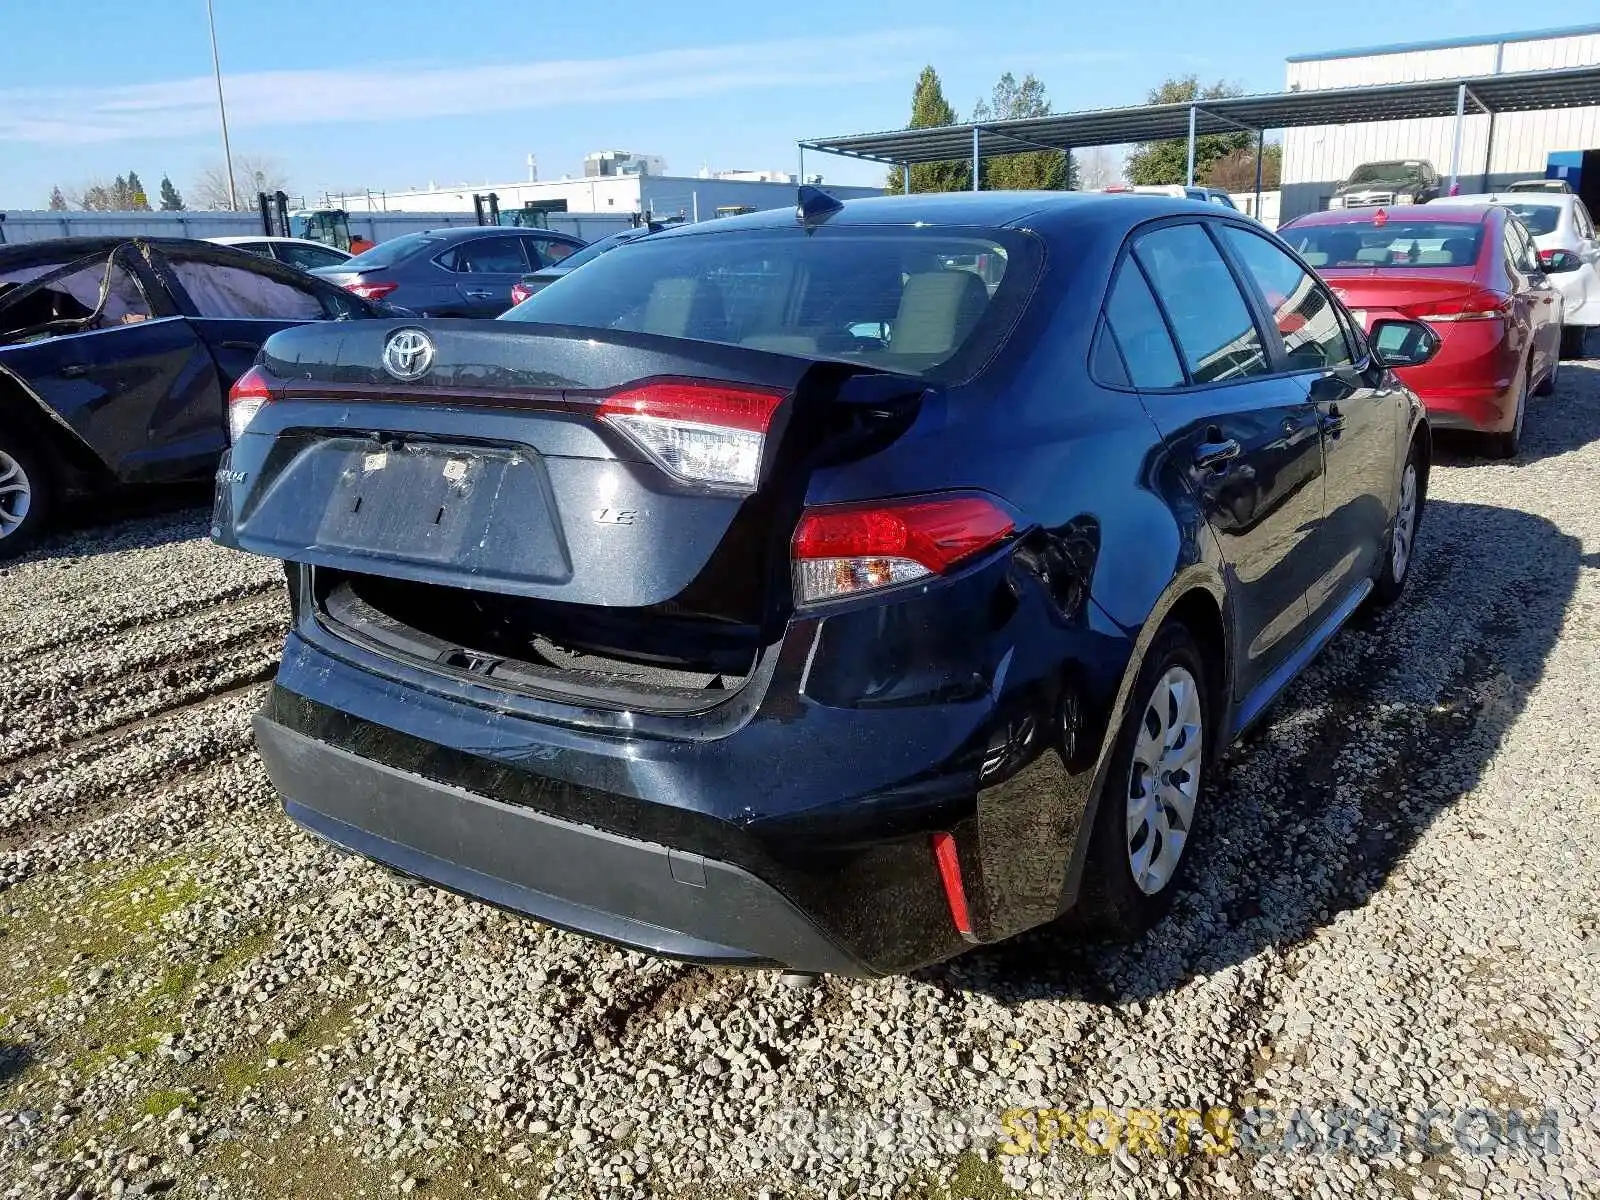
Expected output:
{"points": [[836, 588], [116, 356]]}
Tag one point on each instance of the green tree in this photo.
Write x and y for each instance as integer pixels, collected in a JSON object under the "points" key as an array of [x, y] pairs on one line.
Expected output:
{"points": [[1167, 162], [171, 201], [58, 201], [137, 200], [930, 109], [1051, 170]]}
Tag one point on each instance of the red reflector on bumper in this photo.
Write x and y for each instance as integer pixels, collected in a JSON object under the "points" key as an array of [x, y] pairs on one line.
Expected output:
{"points": [[944, 853]]}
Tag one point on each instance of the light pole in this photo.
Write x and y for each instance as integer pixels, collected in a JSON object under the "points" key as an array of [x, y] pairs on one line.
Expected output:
{"points": [[222, 109]]}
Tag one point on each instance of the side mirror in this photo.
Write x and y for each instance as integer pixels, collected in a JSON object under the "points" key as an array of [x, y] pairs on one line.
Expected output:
{"points": [[1559, 262], [1400, 343]]}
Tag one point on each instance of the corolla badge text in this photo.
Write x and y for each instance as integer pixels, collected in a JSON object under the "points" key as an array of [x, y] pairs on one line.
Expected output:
{"points": [[408, 354]]}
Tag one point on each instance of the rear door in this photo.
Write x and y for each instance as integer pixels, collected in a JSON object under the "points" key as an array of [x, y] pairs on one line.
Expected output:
{"points": [[485, 269], [1538, 301], [1245, 434], [131, 379], [1361, 417]]}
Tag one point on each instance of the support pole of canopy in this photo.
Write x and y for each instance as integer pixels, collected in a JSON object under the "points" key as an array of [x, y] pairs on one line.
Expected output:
{"points": [[905, 178], [977, 161], [1189, 174], [1455, 152], [1261, 150]]}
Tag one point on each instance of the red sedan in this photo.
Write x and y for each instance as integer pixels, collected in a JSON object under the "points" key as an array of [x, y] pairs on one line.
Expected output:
{"points": [[1472, 273]]}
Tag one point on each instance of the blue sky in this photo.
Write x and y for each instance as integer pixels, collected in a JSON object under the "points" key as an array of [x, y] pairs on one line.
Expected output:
{"points": [[390, 93]]}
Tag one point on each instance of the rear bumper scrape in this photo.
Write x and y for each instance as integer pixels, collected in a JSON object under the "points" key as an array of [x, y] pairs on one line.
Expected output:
{"points": [[630, 892]]}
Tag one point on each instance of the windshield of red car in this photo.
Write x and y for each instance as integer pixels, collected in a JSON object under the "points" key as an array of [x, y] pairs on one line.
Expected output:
{"points": [[1391, 244]]}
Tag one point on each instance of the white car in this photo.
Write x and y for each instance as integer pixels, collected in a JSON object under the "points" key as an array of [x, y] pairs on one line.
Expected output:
{"points": [[294, 252], [1177, 191], [1558, 222]]}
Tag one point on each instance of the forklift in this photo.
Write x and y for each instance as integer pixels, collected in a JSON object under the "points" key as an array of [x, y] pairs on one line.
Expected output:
{"points": [[330, 226], [534, 214]]}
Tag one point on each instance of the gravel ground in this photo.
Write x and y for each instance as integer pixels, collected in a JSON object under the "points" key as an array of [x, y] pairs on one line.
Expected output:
{"points": [[1394, 925]]}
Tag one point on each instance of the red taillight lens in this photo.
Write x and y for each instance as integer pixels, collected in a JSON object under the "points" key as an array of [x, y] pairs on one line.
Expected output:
{"points": [[858, 548], [245, 398], [955, 892], [1478, 305], [519, 293], [371, 291], [703, 432], [1546, 257]]}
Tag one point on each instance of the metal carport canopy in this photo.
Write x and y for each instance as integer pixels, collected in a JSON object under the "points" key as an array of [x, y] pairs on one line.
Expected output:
{"points": [[1523, 91]]}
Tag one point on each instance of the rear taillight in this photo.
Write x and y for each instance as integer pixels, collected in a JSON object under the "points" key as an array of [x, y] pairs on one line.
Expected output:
{"points": [[245, 399], [371, 291], [702, 432], [1547, 258], [519, 293], [1480, 305], [845, 550]]}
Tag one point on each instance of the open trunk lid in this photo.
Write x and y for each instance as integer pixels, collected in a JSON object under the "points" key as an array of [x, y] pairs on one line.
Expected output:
{"points": [[645, 479]]}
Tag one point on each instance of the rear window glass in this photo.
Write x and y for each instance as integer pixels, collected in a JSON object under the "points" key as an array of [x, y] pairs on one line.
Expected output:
{"points": [[387, 253], [1392, 244], [1539, 218], [927, 301]]}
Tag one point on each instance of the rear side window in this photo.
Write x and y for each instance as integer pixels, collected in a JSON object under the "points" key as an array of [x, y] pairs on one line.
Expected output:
{"points": [[547, 252], [1539, 218], [308, 258], [1210, 319], [485, 256], [931, 301], [1304, 312], [1136, 323]]}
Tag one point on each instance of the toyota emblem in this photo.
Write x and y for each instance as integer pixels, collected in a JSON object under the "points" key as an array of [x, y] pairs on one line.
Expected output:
{"points": [[408, 354]]}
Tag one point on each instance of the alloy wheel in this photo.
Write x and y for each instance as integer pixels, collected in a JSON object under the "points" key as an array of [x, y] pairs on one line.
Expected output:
{"points": [[1164, 779], [1405, 524], [16, 495]]}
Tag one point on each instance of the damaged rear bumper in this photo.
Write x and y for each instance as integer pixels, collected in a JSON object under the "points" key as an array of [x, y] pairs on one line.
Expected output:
{"points": [[621, 889]]}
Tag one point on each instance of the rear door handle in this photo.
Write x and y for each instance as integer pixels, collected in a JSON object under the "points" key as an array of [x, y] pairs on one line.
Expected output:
{"points": [[1333, 420], [479, 295], [73, 371], [1210, 455], [252, 346]]}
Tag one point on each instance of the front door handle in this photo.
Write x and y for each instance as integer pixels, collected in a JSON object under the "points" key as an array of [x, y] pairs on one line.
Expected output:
{"points": [[1333, 421], [73, 371], [1212, 454]]}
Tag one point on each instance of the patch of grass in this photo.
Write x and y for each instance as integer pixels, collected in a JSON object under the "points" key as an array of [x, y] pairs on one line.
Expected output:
{"points": [[247, 1066], [975, 1178], [159, 1104]]}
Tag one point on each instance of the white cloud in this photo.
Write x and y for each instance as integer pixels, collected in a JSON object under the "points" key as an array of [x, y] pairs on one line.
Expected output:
{"points": [[183, 107]]}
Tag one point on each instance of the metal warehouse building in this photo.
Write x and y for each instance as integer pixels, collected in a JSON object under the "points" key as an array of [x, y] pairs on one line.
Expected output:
{"points": [[1495, 149]]}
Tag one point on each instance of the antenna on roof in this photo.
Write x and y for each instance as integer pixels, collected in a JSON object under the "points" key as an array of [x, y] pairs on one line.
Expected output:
{"points": [[815, 206]]}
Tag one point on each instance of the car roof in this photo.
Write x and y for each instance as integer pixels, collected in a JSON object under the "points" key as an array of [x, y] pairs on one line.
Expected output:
{"points": [[461, 233], [237, 239], [1464, 214], [1019, 210], [1552, 199], [64, 250]]}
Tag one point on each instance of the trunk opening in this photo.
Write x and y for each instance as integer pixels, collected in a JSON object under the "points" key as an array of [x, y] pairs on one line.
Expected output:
{"points": [[571, 653]]}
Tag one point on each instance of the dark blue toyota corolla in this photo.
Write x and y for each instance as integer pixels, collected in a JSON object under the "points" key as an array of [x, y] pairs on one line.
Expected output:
{"points": [[835, 588]]}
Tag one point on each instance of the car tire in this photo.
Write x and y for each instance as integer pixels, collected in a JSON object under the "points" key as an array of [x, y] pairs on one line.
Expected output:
{"points": [[1400, 548], [27, 491], [1130, 875], [1506, 443], [1573, 339]]}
